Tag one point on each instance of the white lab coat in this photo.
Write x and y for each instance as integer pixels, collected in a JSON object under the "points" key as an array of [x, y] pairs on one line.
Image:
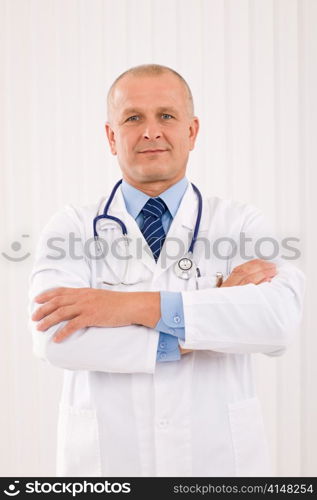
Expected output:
{"points": [[122, 413]]}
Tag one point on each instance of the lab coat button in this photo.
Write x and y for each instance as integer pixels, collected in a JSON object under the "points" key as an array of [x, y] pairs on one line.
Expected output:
{"points": [[176, 318], [162, 355], [162, 345]]}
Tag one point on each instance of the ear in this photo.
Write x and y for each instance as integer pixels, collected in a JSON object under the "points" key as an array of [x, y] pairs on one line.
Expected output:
{"points": [[111, 138], [193, 131]]}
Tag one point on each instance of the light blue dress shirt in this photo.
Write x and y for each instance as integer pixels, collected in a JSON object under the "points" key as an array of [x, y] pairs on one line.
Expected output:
{"points": [[171, 324]]}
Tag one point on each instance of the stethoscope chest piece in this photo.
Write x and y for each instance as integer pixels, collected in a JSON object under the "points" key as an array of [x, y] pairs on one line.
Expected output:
{"points": [[184, 268]]}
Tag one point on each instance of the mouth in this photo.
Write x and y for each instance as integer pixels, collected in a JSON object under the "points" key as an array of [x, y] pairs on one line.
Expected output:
{"points": [[153, 151]]}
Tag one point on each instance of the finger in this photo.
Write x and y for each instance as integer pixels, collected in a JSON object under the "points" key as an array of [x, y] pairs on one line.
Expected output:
{"points": [[51, 306], [265, 280], [232, 280], [257, 278], [67, 330], [61, 314], [260, 262], [243, 278], [254, 266], [46, 296], [184, 351]]}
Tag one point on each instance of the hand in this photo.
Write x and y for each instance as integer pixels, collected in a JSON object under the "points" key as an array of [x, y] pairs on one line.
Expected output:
{"points": [[82, 307], [255, 271], [184, 351]]}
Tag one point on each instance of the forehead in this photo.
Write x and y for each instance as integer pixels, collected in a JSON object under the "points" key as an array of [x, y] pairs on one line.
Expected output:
{"points": [[147, 92]]}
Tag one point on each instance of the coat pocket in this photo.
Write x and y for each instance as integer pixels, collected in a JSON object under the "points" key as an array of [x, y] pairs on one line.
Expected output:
{"points": [[250, 447], [78, 449]]}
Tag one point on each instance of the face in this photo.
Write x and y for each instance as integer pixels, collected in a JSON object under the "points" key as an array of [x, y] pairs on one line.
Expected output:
{"points": [[150, 129]]}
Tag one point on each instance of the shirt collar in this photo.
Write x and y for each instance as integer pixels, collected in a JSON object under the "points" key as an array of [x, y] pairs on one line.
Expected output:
{"points": [[136, 199]]}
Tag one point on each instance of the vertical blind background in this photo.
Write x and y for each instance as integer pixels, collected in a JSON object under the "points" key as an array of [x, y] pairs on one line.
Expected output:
{"points": [[252, 68]]}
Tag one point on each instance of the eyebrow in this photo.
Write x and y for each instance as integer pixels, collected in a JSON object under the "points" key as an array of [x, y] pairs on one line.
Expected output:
{"points": [[161, 109]]}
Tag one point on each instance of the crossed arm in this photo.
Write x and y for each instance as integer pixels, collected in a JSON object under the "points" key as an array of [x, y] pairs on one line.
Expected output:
{"points": [[231, 319], [86, 307]]}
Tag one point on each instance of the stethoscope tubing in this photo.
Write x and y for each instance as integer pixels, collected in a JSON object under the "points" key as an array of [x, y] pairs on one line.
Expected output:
{"points": [[105, 215], [190, 252]]}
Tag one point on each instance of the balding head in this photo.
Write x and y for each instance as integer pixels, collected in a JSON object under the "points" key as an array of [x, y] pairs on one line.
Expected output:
{"points": [[148, 70], [151, 127]]}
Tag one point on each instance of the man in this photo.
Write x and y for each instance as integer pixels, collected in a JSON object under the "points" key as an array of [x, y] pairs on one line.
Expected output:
{"points": [[158, 379]]}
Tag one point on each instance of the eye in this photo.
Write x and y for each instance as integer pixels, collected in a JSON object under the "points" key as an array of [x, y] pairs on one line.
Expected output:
{"points": [[133, 118], [166, 115]]}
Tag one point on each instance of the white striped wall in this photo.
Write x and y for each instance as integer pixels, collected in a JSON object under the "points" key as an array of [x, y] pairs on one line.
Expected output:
{"points": [[252, 68]]}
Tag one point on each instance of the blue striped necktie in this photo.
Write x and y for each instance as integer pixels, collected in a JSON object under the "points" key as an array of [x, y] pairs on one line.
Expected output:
{"points": [[152, 228]]}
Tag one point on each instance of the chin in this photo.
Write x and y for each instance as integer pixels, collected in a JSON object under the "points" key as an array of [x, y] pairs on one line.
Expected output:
{"points": [[153, 173]]}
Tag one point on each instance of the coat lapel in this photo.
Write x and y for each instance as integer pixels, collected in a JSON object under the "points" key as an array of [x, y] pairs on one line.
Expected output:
{"points": [[181, 231], [177, 241]]}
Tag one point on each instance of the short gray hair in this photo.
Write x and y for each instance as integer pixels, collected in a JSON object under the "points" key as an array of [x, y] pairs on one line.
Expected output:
{"points": [[150, 70]]}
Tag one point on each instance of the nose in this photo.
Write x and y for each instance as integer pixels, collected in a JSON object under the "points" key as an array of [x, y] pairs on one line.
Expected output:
{"points": [[152, 130]]}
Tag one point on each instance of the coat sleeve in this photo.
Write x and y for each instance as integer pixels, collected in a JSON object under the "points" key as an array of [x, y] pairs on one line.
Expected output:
{"points": [[129, 349], [250, 318]]}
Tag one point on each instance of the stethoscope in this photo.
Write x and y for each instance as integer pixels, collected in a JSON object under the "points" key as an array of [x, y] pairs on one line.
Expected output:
{"points": [[184, 268]]}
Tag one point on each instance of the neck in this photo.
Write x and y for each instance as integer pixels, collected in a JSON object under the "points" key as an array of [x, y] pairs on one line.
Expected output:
{"points": [[153, 188]]}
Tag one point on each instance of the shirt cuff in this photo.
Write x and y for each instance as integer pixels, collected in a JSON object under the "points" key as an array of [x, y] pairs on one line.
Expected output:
{"points": [[168, 348], [172, 315]]}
